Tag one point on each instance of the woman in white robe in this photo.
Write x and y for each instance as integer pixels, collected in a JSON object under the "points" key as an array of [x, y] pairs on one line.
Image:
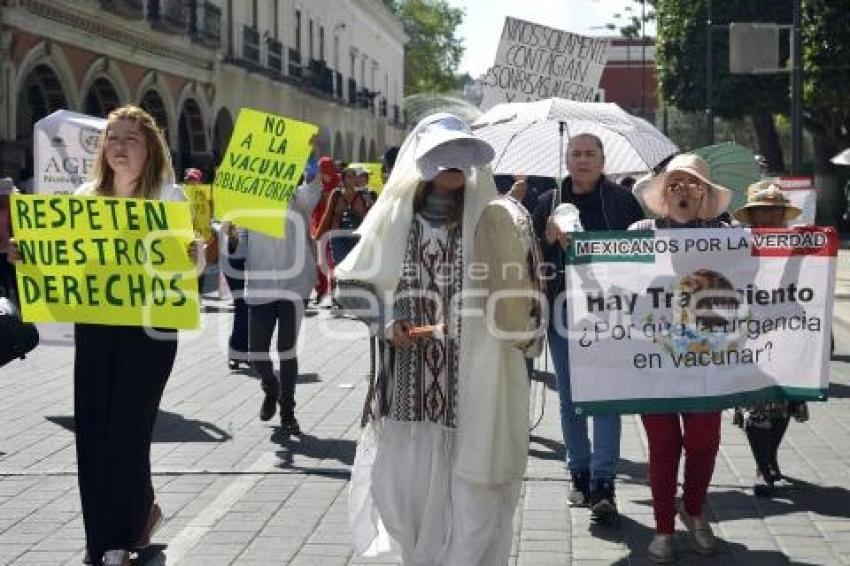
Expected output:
{"points": [[438, 470]]}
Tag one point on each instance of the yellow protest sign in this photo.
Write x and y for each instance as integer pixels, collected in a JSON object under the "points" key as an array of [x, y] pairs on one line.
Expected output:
{"points": [[102, 260], [200, 201], [260, 170], [376, 179]]}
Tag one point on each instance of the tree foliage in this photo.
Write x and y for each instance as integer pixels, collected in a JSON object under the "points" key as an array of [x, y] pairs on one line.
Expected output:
{"points": [[681, 57], [826, 60], [433, 53]]}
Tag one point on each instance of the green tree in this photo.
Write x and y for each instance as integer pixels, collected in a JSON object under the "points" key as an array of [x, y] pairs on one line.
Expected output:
{"points": [[826, 54], [433, 53], [681, 61]]}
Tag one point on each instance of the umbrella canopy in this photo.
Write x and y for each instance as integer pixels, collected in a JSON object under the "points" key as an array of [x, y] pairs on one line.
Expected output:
{"points": [[525, 136], [842, 158], [733, 166]]}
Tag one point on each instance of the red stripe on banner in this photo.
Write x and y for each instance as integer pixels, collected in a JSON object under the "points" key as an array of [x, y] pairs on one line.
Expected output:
{"points": [[797, 241]]}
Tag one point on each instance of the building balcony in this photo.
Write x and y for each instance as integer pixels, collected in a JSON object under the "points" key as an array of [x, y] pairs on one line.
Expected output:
{"points": [[274, 55], [171, 16], [338, 85], [294, 68], [206, 29], [131, 9], [366, 99], [249, 46], [318, 77], [352, 92]]}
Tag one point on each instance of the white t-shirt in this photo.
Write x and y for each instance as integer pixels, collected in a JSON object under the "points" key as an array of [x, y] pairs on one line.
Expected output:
{"points": [[168, 192]]}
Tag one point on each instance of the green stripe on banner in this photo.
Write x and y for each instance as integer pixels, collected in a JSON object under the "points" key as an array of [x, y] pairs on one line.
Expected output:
{"points": [[697, 404], [616, 246]]}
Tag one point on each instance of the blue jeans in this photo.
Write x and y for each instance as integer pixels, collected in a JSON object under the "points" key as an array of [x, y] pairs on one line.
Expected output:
{"points": [[601, 459]]}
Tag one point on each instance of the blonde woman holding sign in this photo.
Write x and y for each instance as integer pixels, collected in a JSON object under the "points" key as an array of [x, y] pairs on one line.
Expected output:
{"points": [[120, 372]]}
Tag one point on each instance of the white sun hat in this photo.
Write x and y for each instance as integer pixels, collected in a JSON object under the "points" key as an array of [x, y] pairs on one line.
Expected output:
{"points": [[448, 143], [651, 193]]}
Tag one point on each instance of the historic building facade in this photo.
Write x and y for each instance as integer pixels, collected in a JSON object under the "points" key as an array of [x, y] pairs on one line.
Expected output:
{"points": [[194, 63]]}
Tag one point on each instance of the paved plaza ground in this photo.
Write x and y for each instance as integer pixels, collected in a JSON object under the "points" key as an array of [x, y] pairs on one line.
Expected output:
{"points": [[233, 493]]}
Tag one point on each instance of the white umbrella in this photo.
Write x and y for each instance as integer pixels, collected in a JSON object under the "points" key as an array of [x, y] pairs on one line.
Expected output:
{"points": [[526, 136], [842, 158]]}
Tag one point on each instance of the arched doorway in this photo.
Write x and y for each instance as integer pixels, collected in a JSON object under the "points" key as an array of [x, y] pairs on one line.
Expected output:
{"points": [[221, 134], [361, 152], [153, 104], [339, 147], [41, 94], [193, 141], [101, 99]]}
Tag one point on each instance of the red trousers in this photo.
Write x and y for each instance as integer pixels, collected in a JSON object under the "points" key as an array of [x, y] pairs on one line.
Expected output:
{"points": [[324, 269], [699, 435]]}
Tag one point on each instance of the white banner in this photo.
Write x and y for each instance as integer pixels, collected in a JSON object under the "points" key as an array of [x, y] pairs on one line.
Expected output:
{"points": [[687, 320], [535, 62], [65, 145]]}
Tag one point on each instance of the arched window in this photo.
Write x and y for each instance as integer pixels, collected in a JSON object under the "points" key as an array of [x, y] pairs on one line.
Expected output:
{"points": [[101, 99]]}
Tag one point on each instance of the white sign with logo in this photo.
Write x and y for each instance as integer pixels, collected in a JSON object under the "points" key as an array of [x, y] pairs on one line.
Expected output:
{"points": [[65, 147], [803, 194], [534, 62]]}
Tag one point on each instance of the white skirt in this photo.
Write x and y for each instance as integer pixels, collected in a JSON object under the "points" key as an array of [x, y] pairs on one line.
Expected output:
{"points": [[405, 502]]}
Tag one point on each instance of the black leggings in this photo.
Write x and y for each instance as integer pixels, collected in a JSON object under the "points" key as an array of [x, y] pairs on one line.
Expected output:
{"points": [[764, 442], [286, 315], [119, 375]]}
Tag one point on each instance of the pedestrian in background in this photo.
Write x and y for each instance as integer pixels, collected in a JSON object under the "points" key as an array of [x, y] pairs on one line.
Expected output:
{"points": [[346, 209], [682, 196], [120, 372], [279, 277], [765, 424], [330, 181]]}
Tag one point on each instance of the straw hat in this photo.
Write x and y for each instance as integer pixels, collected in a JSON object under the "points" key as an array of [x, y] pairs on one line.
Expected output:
{"points": [[652, 193], [763, 194]]}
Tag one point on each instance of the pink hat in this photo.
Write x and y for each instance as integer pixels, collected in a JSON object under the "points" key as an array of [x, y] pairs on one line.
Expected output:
{"points": [[193, 174]]}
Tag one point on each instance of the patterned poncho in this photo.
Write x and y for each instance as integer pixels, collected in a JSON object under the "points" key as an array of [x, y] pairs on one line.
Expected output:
{"points": [[424, 384]]}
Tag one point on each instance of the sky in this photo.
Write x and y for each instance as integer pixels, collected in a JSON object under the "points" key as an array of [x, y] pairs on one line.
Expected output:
{"points": [[484, 19]]}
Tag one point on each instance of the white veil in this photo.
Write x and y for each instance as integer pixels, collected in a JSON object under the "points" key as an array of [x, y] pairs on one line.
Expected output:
{"points": [[492, 443], [378, 257]]}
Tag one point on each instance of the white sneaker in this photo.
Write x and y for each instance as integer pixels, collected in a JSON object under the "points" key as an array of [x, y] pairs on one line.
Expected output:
{"points": [[701, 535], [661, 549]]}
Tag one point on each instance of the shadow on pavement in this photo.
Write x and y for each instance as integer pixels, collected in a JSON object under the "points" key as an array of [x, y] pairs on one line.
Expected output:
{"points": [[302, 377], [553, 450], [547, 378], [151, 556], [637, 536], [839, 390], [294, 449], [170, 427], [798, 497]]}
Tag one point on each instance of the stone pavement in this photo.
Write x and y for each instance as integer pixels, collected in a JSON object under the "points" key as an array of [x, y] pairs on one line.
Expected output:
{"points": [[234, 494]]}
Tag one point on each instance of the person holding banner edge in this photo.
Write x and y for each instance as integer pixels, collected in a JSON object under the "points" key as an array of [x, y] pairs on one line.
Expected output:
{"points": [[682, 196], [602, 205], [765, 424], [120, 372]]}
